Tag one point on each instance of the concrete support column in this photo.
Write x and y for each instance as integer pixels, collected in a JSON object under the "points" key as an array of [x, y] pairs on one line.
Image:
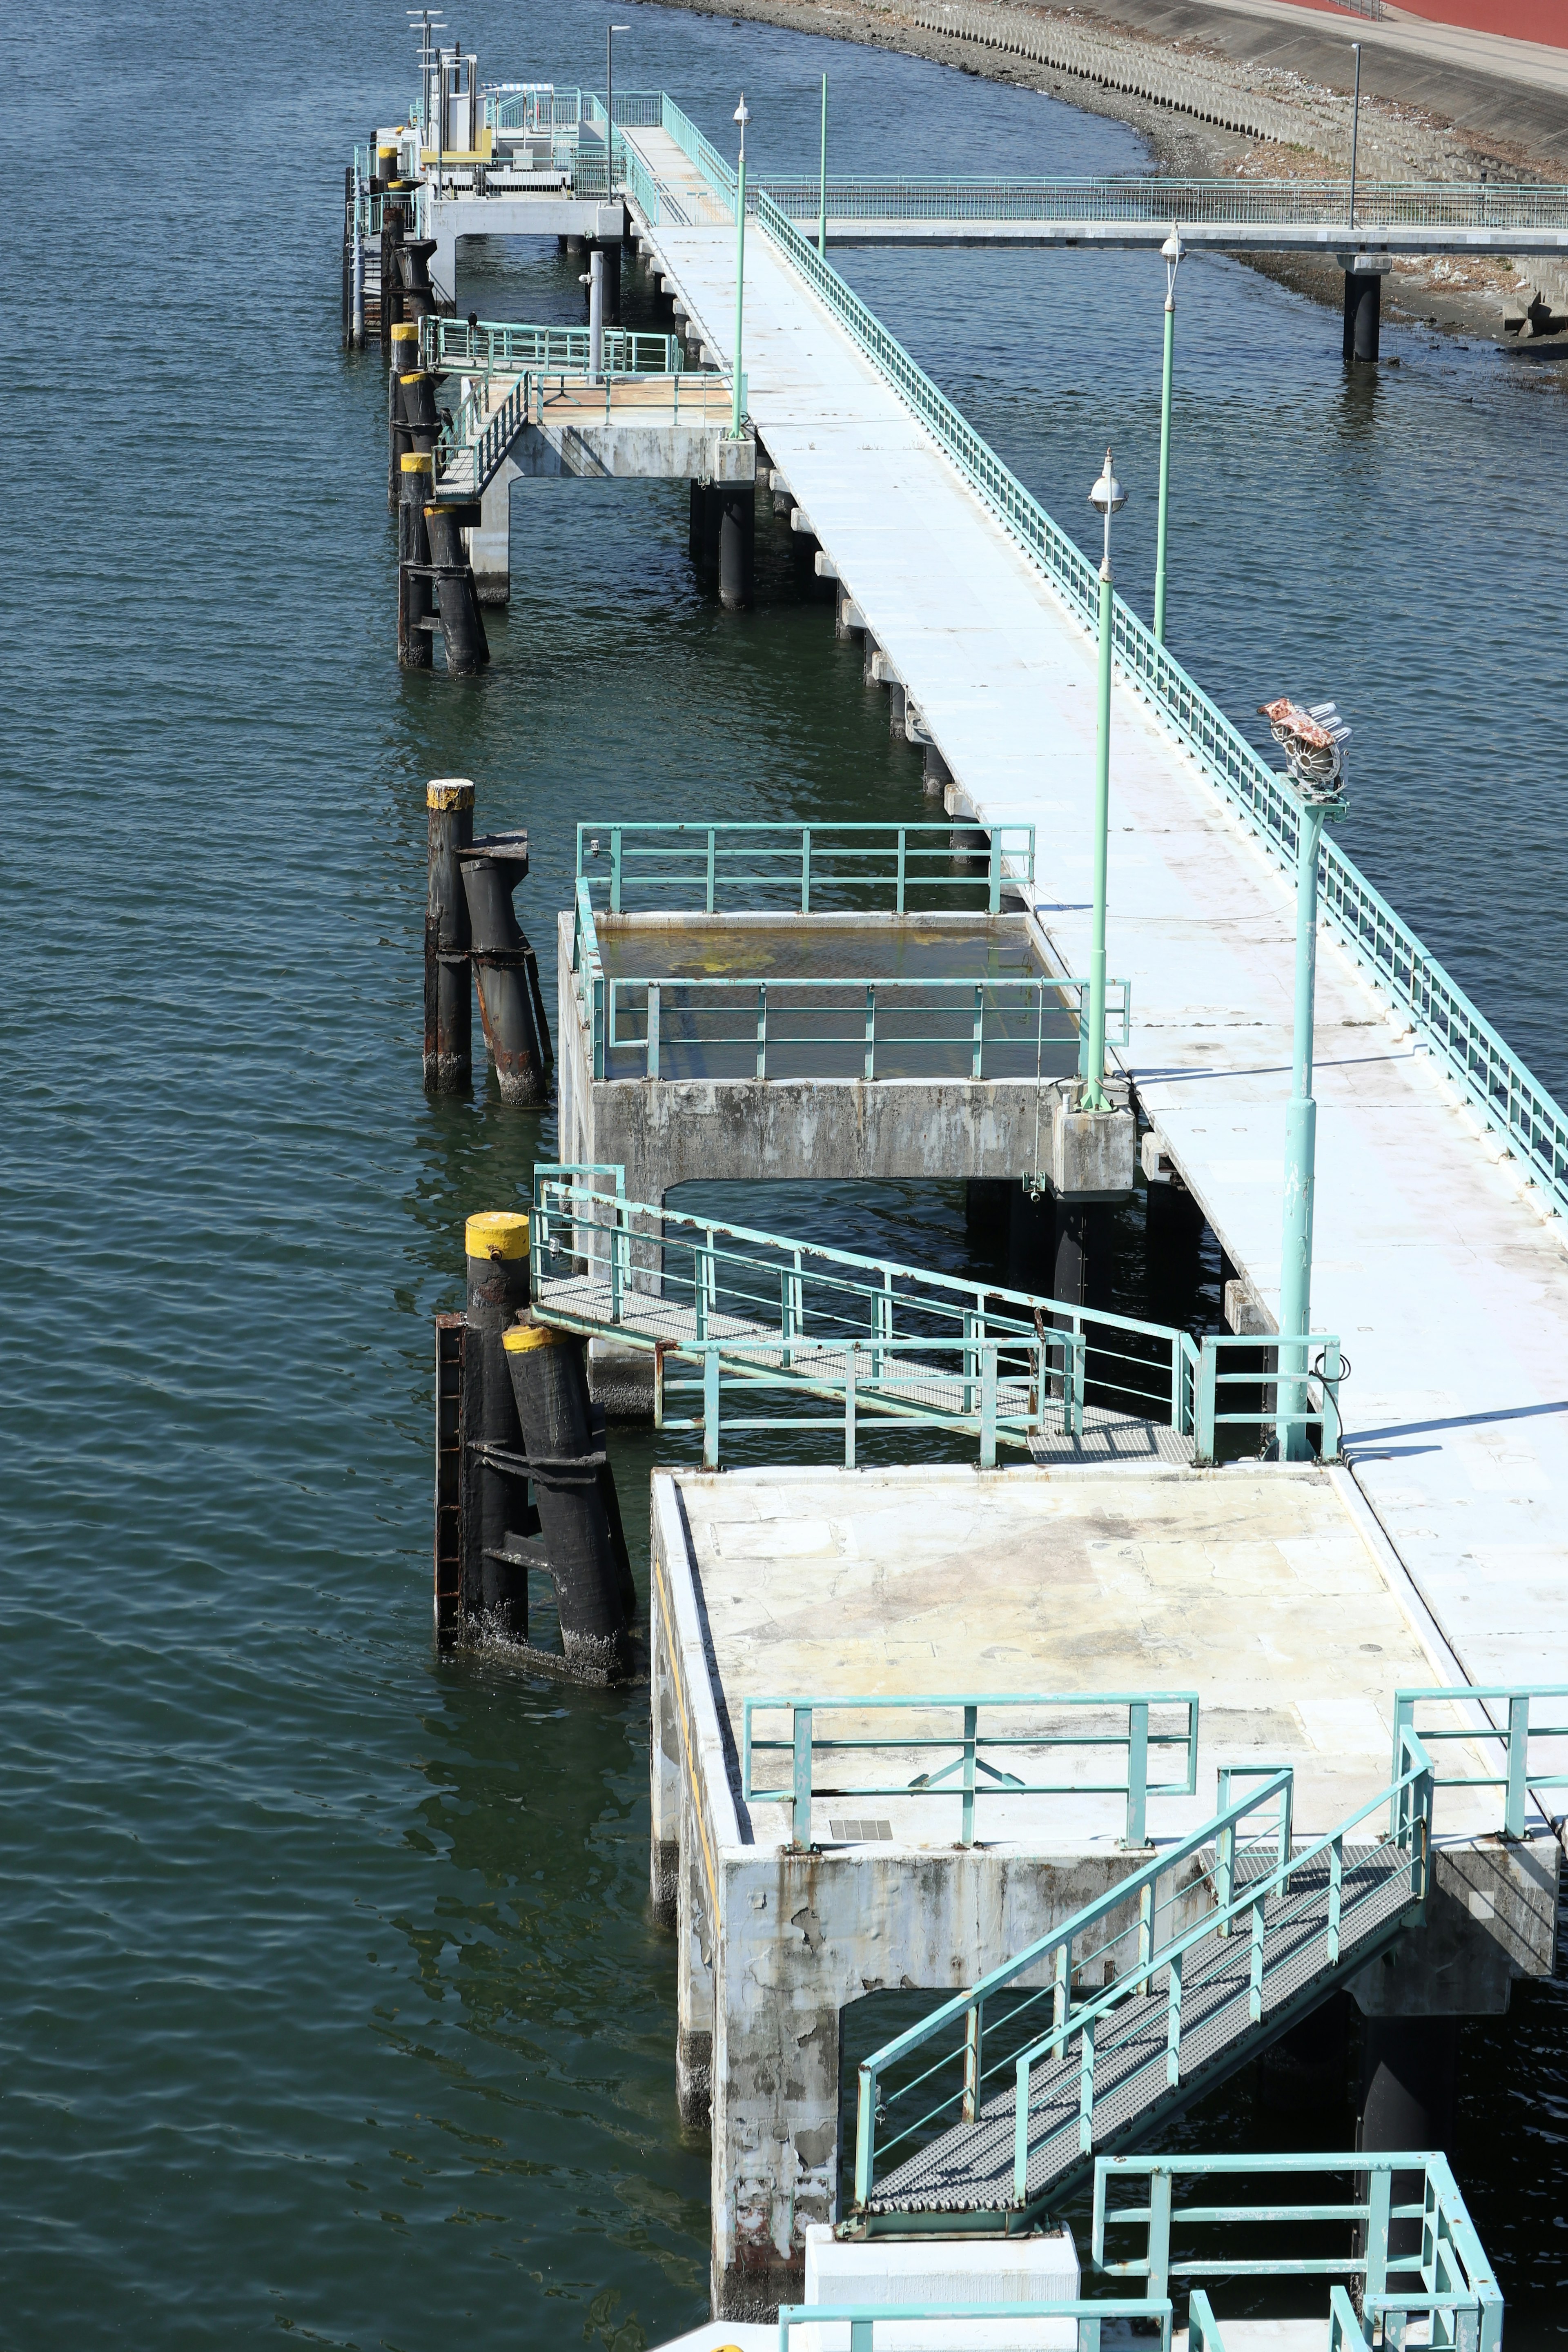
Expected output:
{"points": [[612, 269], [1409, 2075], [1074, 1249], [868, 651], [737, 545], [846, 620], [490, 543], [897, 705], [776, 2089], [1363, 301], [936, 775], [694, 1978], [712, 521], [664, 1774]]}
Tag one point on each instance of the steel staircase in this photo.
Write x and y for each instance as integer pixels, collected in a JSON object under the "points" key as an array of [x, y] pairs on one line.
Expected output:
{"points": [[1144, 2000]]}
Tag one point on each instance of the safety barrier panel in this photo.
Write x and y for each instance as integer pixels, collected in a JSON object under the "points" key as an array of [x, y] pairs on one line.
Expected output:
{"points": [[1456, 2288], [1463, 1044], [969, 1748], [453, 346], [1523, 1775]]}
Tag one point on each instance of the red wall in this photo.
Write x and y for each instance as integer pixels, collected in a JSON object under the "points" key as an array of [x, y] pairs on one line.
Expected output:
{"points": [[1523, 20]]}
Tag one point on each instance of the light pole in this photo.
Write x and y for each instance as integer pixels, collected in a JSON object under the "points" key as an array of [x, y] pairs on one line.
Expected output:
{"points": [[1313, 741], [822, 199], [1355, 129], [1108, 495], [738, 405], [1171, 251], [610, 32]]}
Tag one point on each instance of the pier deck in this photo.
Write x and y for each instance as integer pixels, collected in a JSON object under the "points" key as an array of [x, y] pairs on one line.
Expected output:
{"points": [[1438, 1266]]}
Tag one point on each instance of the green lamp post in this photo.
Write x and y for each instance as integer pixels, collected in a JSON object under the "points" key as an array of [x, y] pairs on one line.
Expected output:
{"points": [[1313, 741], [738, 404], [822, 184], [1171, 252], [1107, 496]]}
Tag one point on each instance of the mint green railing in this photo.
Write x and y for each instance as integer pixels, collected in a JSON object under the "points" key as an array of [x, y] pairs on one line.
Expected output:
{"points": [[1463, 1044], [452, 346]]}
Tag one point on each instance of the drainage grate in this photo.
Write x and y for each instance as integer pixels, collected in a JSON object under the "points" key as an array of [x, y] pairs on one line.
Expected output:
{"points": [[861, 1833]]}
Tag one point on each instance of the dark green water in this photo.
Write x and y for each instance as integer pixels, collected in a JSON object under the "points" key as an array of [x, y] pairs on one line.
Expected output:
{"points": [[330, 2004]]}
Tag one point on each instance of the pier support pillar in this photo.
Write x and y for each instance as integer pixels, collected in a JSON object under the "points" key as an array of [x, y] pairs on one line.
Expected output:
{"points": [[1409, 2076], [712, 521], [504, 967], [468, 647], [936, 775], [489, 542], [666, 1778], [846, 621], [898, 706], [693, 1981], [611, 254], [448, 993], [868, 652], [497, 1517], [415, 649], [1363, 302], [414, 270], [404, 348], [737, 545], [580, 1541]]}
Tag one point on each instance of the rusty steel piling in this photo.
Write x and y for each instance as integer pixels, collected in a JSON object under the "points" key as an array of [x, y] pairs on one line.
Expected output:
{"points": [[448, 997], [415, 648], [581, 1543], [462, 626], [497, 1518], [505, 969]]}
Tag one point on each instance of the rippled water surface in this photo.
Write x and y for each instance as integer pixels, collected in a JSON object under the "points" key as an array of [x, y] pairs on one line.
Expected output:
{"points": [[329, 2003]]}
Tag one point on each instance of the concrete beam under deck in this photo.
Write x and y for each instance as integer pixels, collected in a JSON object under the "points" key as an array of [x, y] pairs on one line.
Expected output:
{"points": [[453, 218], [1256, 1587]]}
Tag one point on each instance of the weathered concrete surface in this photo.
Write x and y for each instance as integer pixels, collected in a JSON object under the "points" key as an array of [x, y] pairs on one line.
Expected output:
{"points": [[637, 449], [1255, 1587]]}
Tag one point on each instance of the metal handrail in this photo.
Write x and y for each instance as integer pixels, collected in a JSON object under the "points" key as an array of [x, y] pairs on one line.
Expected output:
{"points": [[1464, 1043], [1455, 2275], [975, 1012], [701, 855], [1241, 1887], [453, 346], [1158, 201], [966, 1749], [1516, 1778], [862, 2318]]}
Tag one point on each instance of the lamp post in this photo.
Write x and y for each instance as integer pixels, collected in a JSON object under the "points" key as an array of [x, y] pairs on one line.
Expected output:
{"points": [[1313, 741], [1355, 131], [822, 197], [610, 32], [1171, 251], [1108, 495], [738, 405]]}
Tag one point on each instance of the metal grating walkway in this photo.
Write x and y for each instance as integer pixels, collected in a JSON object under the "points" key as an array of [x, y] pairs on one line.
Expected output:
{"points": [[969, 2169]]}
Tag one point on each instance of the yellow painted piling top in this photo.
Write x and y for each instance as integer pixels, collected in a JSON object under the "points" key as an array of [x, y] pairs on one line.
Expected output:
{"points": [[449, 792], [524, 1338], [415, 463], [417, 375], [406, 331], [496, 1233]]}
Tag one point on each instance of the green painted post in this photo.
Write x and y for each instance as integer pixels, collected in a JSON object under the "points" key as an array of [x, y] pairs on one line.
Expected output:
{"points": [[1172, 252], [1518, 1763], [1107, 496], [1300, 1154], [1160, 2185], [1138, 1773], [822, 193], [865, 2134], [800, 1808], [970, 1722], [710, 1409], [743, 118]]}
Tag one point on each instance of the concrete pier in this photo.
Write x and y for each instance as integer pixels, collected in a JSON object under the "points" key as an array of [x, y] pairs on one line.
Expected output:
{"points": [[1258, 1589]]}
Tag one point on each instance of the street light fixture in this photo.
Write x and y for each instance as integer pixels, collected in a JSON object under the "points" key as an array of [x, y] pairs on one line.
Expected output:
{"points": [[737, 409], [1313, 740], [821, 191], [1171, 253], [1109, 496]]}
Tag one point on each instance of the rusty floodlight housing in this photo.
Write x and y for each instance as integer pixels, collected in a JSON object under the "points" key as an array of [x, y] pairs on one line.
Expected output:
{"points": [[1313, 737]]}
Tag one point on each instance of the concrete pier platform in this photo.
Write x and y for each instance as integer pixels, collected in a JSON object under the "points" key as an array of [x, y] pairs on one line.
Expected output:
{"points": [[1263, 1590]]}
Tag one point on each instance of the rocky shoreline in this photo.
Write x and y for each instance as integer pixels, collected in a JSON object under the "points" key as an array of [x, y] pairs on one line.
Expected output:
{"points": [[1483, 298]]}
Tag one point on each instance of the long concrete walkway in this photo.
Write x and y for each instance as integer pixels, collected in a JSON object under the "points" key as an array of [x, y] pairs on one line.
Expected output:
{"points": [[1442, 1273]]}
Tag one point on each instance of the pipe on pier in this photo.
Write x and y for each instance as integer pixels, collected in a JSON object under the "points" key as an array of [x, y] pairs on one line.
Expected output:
{"points": [[737, 544], [505, 969], [414, 270], [462, 626], [414, 646], [582, 1545], [449, 998], [1363, 306], [498, 1520]]}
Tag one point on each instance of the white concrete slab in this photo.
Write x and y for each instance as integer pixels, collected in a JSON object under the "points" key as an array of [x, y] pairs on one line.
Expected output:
{"points": [[1435, 1263], [933, 2271]]}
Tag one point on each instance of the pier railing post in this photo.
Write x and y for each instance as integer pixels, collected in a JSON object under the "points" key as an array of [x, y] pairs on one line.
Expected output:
{"points": [[1205, 1389], [1137, 1772], [1172, 252], [1517, 1761], [1292, 1399], [800, 1800]]}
